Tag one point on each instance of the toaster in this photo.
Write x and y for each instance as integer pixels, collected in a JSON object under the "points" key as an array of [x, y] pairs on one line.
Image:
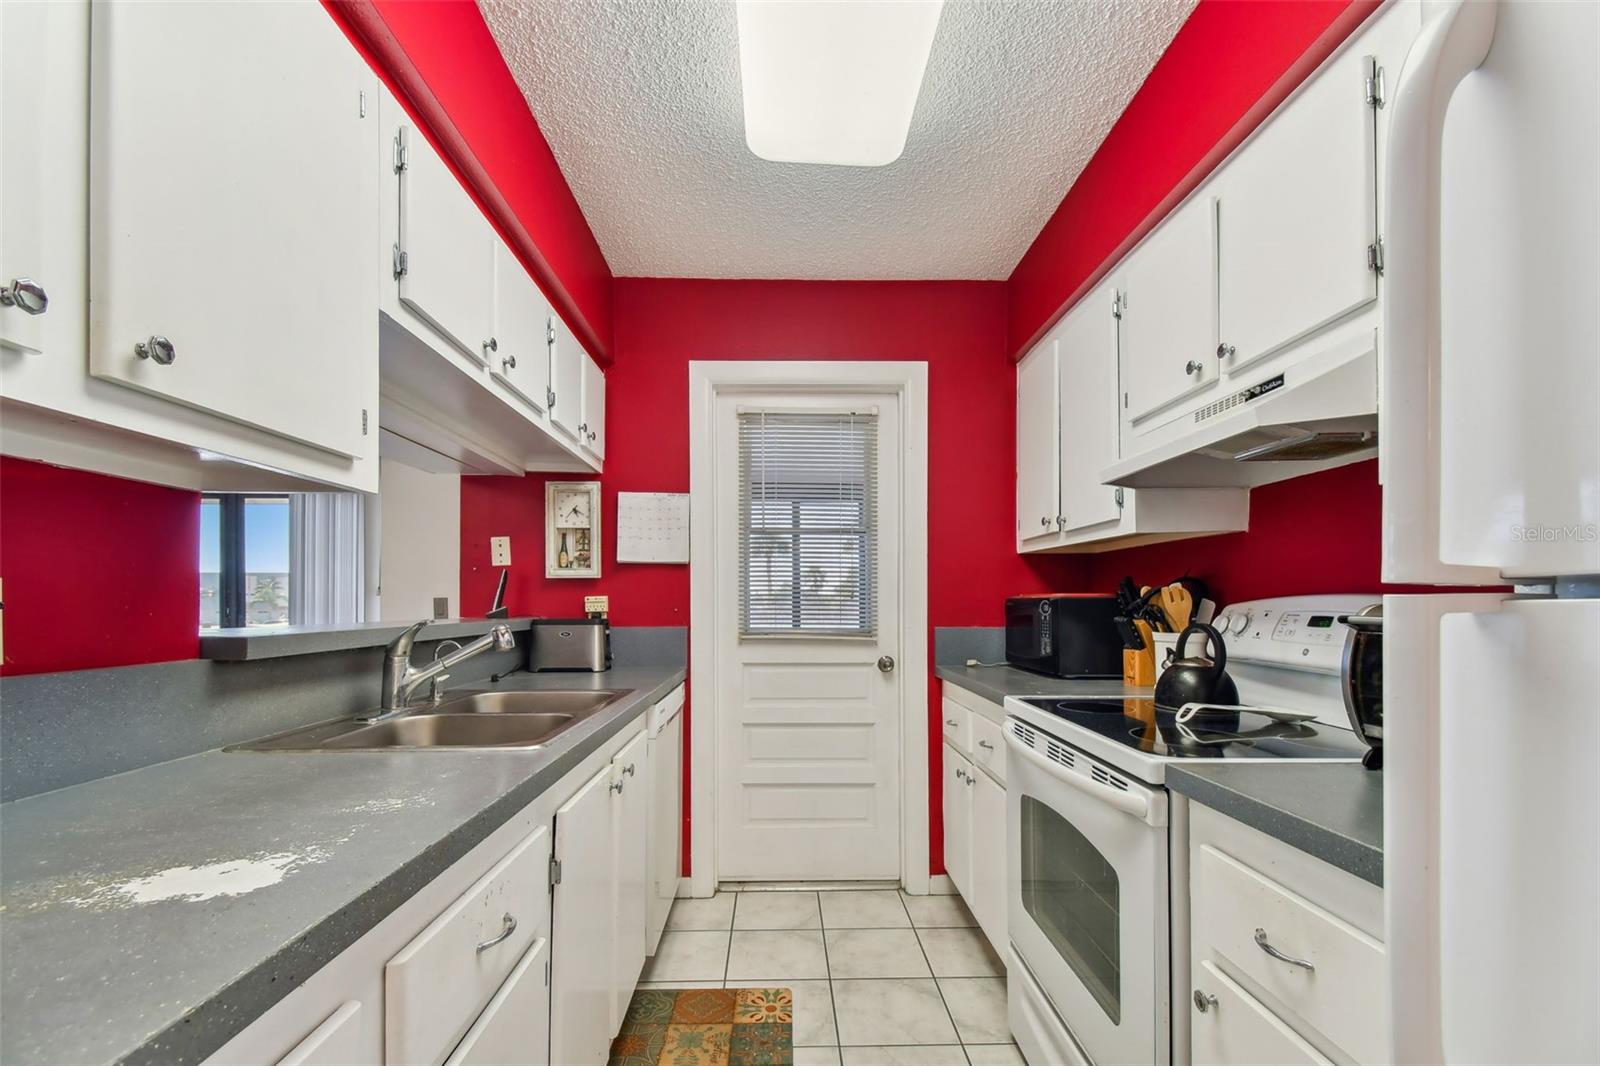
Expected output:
{"points": [[570, 644]]}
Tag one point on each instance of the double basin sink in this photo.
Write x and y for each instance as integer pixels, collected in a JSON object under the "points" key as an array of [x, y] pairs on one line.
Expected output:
{"points": [[481, 719]]}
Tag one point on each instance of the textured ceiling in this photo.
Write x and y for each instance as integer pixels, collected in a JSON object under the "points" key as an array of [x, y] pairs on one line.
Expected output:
{"points": [[640, 101]]}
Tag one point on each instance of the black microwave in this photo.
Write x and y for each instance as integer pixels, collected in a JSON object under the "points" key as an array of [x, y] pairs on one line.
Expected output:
{"points": [[1064, 635]]}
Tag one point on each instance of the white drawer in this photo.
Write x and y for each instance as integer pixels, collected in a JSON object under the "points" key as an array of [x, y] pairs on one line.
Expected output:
{"points": [[515, 1026], [957, 721], [439, 983], [1235, 1030], [989, 746], [336, 1042], [1239, 914]]}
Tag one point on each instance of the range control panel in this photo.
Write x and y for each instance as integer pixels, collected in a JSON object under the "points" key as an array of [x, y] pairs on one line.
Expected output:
{"points": [[1296, 632]]}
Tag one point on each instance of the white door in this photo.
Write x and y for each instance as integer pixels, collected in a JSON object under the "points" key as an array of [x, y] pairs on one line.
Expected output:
{"points": [[583, 927], [520, 355], [1492, 927], [593, 428], [449, 265], [630, 839], [1038, 444], [1169, 318], [1296, 212], [808, 719], [1086, 355], [566, 379], [957, 811], [989, 858], [231, 237]]}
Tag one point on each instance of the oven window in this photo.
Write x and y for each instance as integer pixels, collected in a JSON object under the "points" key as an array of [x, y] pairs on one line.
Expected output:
{"points": [[1071, 893]]}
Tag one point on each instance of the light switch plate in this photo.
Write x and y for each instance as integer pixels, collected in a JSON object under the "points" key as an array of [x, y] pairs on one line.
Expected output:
{"points": [[499, 551]]}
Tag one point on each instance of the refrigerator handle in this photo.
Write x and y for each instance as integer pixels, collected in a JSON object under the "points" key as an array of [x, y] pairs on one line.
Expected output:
{"points": [[1453, 42]]}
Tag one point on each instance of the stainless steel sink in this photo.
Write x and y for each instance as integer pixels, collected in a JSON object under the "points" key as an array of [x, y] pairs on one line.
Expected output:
{"points": [[487, 719]]}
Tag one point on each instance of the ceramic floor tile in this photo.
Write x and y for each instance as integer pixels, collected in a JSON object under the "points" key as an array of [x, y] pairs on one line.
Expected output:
{"points": [[813, 1009], [863, 910], [960, 953], [895, 1011], [927, 1055], [978, 1005], [938, 912], [777, 910], [995, 1055], [782, 954], [713, 913], [875, 953], [688, 956], [816, 1056]]}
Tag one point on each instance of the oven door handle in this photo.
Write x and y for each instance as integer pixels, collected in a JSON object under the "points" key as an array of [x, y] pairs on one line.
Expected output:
{"points": [[1133, 803]]}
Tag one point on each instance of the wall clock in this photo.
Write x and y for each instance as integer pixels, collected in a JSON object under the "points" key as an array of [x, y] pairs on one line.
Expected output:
{"points": [[572, 529]]}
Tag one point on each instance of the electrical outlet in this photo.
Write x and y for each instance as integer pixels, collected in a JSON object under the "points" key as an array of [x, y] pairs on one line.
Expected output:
{"points": [[499, 551], [591, 604]]}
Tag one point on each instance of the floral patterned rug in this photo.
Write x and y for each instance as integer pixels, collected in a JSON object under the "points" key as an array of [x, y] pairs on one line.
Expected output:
{"points": [[707, 1027]]}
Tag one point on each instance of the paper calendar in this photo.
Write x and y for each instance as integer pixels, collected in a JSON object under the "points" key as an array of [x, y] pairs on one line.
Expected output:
{"points": [[652, 527]]}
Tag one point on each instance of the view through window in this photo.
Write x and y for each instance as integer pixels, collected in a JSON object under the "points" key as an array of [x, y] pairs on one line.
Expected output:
{"points": [[244, 560]]}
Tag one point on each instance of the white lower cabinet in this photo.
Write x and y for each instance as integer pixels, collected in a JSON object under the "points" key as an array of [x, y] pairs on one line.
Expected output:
{"points": [[1287, 963], [665, 845], [582, 991], [515, 1026], [630, 832], [333, 1043], [974, 805]]}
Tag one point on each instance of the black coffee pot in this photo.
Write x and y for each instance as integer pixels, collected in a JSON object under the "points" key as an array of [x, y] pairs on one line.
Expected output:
{"points": [[1197, 679]]}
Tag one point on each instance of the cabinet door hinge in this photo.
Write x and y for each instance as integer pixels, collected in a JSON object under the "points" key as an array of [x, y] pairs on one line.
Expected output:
{"points": [[361, 104], [1373, 84], [363, 421], [547, 973], [400, 152], [1375, 257], [401, 261], [1119, 497], [555, 871], [1124, 401], [549, 331], [1118, 304]]}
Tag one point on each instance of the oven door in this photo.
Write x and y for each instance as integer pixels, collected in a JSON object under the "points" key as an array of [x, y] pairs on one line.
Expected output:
{"points": [[1087, 887]]}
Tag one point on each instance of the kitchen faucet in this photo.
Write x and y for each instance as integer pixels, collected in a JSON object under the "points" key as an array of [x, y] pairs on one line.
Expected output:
{"points": [[400, 678]]}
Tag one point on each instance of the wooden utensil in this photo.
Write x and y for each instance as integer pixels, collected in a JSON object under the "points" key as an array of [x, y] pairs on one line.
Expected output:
{"points": [[1178, 606]]}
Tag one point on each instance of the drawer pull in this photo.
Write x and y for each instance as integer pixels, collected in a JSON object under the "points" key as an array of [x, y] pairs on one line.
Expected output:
{"points": [[985, 744], [951, 722], [1261, 942], [508, 925], [1204, 1001]]}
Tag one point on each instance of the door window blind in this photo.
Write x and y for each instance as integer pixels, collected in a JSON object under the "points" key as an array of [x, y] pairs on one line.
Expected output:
{"points": [[808, 524]]}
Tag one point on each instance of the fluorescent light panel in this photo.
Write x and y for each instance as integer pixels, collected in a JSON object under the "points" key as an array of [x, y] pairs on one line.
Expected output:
{"points": [[833, 81]]}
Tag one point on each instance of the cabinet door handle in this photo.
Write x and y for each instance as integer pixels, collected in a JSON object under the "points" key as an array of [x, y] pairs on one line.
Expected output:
{"points": [[1225, 350], [491, 345], [628, 769], [971, 780], [1045, 522], [985, 744], [1193, 366], [26, 295], [951, 722], [1204, 1001], [157, 349], [508, 925], [616, 786], [1261, 942]]}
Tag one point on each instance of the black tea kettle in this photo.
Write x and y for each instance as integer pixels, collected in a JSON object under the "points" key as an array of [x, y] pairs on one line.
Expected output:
{"points": [[1196, 680]]}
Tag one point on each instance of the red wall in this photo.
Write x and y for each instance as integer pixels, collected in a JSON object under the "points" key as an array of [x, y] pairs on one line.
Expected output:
{"points": [[440, 59], [98, 571], [1228, 67], [957, 327]]}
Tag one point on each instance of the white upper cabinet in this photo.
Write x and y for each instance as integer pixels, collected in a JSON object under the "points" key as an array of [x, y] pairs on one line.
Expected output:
{"points": [[1086, 359], [1296, 215], [519, 356], [233, 212], [566, 380], [446, 254], [1038, 501], [1169, 317], [592, 431], [39, 98]]}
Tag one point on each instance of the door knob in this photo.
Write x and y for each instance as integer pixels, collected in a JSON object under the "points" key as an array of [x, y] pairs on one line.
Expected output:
{"points": [[157, 349], [26, 295], [886, 663]]}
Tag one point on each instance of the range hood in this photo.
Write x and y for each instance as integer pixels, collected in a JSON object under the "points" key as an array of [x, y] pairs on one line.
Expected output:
{"points": [[1320, 413]]}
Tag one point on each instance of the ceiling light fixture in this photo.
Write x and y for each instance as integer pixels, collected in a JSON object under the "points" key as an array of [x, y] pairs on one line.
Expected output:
{"points": [[832, 81]]}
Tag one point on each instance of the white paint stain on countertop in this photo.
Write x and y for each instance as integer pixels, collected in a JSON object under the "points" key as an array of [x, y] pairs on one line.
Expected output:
{"points": [[235, 877]]}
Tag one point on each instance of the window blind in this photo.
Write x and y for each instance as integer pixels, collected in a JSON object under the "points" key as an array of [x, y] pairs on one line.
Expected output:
{"points": [[808, 524]]}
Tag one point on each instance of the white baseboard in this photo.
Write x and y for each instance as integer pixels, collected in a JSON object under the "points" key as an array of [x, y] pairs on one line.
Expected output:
{"points": [[941, 885]]}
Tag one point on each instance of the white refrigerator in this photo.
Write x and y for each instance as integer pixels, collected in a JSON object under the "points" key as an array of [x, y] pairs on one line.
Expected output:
{"points": [[1490, 423]]}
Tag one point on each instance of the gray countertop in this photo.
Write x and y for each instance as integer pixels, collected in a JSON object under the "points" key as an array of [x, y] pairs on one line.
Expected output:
{"points": [[1333, 811], [102, 959]]}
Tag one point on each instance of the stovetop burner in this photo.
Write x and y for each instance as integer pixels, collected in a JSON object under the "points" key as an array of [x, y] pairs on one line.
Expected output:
{"points": [[1137, 723]]}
